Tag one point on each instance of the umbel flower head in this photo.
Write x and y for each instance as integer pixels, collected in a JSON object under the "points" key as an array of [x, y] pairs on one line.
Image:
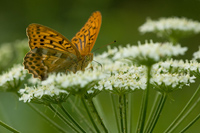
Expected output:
{"points": [[11, 80], [148, 53], [57, 87], [171, 28], [45, 94], [178, 66], [122, 78]]}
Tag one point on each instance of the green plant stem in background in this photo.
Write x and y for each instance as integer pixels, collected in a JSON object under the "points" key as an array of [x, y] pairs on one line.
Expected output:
{"points": [[70, 117], [183, 110], [8, 127], [157, 113], [115, 111], [143, 109], [62, 118], [190, 124], [89, 114], [47, 118], [94, 110]]}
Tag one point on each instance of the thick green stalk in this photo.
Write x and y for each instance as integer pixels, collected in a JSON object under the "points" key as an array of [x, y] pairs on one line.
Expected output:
{"points": [[152, 114], [183, 111], [143, 109], [70, 117], [90, 116], [115, 111], [81, 115], [63, 118], [157, 113], [8, 127], [125, 112], [94, 110], [121, 106], [130, 113], [47, 118]]}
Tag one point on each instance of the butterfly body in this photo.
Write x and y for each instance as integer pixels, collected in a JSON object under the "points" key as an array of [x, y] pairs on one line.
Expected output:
{"points": [[52, 52]]}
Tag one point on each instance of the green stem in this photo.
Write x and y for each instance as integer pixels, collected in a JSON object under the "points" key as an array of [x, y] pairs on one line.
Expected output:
{"points": [[94, 110], [115, 111], [62, 118], [184, 116], [153, 111], [121, 113], [81, 115], [90, 116], [143, 109], [70, 117], [190, 124], [157, 113], [182, 112], [130, 113], [8, 127], [47, 118], [125, 112]]}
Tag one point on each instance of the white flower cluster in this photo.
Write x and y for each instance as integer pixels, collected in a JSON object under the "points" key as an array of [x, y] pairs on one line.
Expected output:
{"points": [[43, 94], [78, 80], [13, 77], [126, 79], [173, 23], [148, 52], [175, 66], [196, 55], [171, 82], [117, 76]]}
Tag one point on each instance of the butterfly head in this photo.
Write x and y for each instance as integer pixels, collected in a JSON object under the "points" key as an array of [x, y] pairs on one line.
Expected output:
{"points": [[86, 60]]}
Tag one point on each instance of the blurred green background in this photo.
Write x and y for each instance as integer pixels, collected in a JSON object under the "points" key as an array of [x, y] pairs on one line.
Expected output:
{"points": [[120, 21]]}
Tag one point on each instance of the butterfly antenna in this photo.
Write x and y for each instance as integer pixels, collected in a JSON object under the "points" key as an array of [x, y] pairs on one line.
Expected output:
{"points": [[98, 63], [104, 46]]}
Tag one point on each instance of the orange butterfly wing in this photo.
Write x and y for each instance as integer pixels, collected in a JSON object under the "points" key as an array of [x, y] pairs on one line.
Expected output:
{"points": [[85, 39], [43, 37]]}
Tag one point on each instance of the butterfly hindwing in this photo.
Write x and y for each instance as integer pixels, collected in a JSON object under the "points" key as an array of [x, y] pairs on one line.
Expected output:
{"points": [[40, 62], [85, 39]]}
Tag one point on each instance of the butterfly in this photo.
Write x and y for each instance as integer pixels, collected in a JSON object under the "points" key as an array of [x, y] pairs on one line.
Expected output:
{"points": [[52, 52]]}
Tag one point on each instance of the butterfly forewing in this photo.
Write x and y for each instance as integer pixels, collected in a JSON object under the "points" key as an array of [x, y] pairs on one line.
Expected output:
{"points": [[43, 37], [85, 39]]}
